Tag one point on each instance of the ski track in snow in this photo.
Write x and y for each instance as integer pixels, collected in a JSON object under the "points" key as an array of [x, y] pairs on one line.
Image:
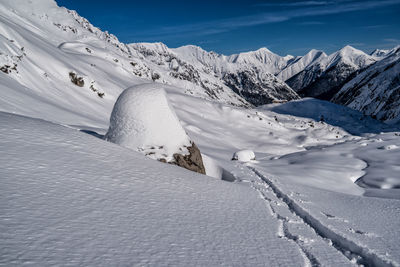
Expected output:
{"points": [[283, 232], [67, 198], [356, 253]]}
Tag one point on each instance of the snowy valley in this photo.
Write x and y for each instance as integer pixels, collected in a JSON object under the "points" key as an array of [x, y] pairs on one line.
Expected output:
{"points": [[84, 176]]}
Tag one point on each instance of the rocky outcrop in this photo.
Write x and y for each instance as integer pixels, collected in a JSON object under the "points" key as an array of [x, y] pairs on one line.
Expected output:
{"points": [[326, 84], [237, 79], [259, 89], [376, 90], [192, 162], [75, 79]]}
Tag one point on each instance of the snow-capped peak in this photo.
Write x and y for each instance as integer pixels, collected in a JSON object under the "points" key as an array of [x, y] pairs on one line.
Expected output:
{"points": [[321, 78], [347, 55], [349, 49], [350, 56], [262, 58], [299, 64], [194, 49], [263, 50], [195, 54]]}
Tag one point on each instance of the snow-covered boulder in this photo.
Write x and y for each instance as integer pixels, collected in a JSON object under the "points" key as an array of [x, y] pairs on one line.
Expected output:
{"points": [[143, 120], [244, 155]]}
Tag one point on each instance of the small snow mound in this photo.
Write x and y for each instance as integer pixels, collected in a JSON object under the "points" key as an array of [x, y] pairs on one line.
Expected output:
{"points": [[143, 120], [244, 155], [213, 169]]}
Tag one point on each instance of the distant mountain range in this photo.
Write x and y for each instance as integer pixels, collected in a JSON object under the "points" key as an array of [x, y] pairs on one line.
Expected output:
{"points": [[43, 43], [376, 89]]}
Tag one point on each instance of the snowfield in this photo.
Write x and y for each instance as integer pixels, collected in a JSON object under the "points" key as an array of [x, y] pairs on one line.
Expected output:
{"points": [[315, 183], [68, 198]]}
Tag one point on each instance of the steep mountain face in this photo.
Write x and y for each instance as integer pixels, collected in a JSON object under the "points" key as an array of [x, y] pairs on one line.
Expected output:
{"points": [[380, 53], [167, 66], [46, 46], [262, 59], [300, 63], [65, 48], [326, 76], [259, 88], [43, 43], [376, 90], [250, 74]]}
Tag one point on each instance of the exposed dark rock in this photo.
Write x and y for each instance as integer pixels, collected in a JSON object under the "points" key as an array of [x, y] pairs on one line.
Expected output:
{"points": [[192, 162], [375, 91], [155, 76], [322, 85], [75, 79], [304, 78], [7, 68], [259, 90], [271, 88]]}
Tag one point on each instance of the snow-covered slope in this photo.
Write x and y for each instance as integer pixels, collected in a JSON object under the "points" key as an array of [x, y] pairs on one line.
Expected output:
{"points": [[262, 58], [300, 64], [382, 53], [68, 197], [376, 90], [44, 46], [34, 36], [76, 46], [52, 57], [250, 75], [169, 67], [47, 49], [325, 77]]}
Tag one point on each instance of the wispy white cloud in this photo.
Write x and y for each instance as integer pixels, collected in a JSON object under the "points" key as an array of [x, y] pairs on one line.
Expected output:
{"points": [[370, 27], [295, 4], [309, 23], [392, 40], [225, 25]]}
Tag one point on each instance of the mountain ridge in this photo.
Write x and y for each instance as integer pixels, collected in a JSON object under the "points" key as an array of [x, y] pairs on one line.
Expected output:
{"points": [[45, 43], [375, 90]]}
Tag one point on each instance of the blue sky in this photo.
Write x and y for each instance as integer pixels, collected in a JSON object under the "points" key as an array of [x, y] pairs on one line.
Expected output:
{"points": [[284, 27]]}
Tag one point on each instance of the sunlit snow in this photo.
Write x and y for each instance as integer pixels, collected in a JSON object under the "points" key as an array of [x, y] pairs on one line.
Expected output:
{"points": [[315, 183]]}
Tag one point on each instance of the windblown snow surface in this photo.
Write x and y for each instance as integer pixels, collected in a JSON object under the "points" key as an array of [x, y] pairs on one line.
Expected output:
{"points": [[323, 190], [72, 198]]}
